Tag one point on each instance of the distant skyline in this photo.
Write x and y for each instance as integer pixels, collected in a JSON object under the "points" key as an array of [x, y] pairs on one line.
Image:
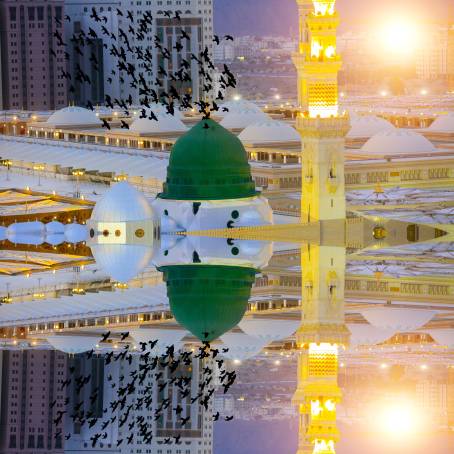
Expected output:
{"points": [[278, 17]]}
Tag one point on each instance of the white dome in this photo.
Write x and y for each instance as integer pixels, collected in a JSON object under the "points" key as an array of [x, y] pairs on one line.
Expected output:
{"points": [[397, 142], [75, 233], [240, 119], [55, 238], [400, 320], [122, 262], [235, 106], [121, 203], [54, 227], [268, 329], [26, 228], [367, 126], [73, 115], [269, 131], [165, 337], [363, 334], [443, 123], [241, 346], [158, 109], [443, 337], [72, 344], [166, 124]]}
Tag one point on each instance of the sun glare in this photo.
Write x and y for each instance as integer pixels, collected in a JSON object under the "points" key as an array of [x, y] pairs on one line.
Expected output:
{"points": [[399, 419], [400, 37]]}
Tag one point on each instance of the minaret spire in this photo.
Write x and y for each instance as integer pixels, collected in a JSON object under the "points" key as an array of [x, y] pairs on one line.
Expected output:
{"points": [[319, 122], [322, 128]]}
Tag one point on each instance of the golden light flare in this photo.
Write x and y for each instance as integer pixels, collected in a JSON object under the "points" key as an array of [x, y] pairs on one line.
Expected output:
{"points": [[400, 36]]}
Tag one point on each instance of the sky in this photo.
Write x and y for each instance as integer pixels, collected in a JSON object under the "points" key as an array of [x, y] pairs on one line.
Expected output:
{"points": [[278, 17], [271, 437]]}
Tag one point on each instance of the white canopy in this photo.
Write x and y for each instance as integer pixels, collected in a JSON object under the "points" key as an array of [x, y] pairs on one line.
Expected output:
{"points": [[268, 132], [368, 125], [72, 344], [269, 329], [443, 123], [76, 156], [73, 116], [397, 142], [398, 319], [131, 301]]}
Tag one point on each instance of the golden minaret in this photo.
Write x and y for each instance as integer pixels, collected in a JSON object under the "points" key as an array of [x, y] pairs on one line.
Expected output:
{"points": [[322, 128]]}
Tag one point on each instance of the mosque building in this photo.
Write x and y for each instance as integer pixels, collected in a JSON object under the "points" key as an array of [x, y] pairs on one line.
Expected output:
{"points": [[272, 145], [208, 282]]}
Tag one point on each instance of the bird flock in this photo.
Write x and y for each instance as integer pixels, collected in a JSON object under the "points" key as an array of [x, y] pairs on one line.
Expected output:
{"points": [[132, 62], [135, 393]]}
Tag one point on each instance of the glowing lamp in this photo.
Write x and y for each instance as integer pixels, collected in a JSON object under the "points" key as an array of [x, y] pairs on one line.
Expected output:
{"points": [[324, 7]]}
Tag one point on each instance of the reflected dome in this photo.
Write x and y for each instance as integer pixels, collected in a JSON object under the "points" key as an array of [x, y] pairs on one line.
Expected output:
{"points": [[72, 344], [208, 300]]}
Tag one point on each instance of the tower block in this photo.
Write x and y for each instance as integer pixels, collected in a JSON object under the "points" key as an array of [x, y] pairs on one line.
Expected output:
{"points": [[319, 123]]}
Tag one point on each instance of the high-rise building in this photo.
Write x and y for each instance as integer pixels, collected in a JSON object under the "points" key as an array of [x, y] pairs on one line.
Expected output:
{"points": [[91, 399], [96, 60], [196, 434], [450, 397], [432, 400], [450, 58], [31, 380], [432, 54], [31, 76], [196, 21]]}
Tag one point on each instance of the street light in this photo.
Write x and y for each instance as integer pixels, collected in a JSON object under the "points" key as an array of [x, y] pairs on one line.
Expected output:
{"points": [[78, 173], [6, 163], [39, 168]]}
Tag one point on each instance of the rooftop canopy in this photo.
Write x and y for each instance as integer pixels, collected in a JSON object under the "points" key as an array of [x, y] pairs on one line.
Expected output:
{"points": [[368, 125], [208, 163], [237, 105], [397, 142], [400, 320], [73, 344], [164, 337], [443, 124], [73, 116], [208, 300], [165, 124], [240, 119], [269, 329], [242, 347], [268, 132]]}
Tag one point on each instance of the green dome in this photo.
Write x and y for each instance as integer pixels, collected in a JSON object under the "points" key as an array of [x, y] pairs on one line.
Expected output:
{"points": [[208, 300], [208, 163]]}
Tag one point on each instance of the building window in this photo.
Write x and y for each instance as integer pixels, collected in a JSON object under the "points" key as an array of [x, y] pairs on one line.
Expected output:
{"points": [[31, 13], [40, 444], [12, 13], [12, 441], [40, 12]]}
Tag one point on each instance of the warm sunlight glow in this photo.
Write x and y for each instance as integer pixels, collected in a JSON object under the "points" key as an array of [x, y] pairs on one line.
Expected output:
{"points": [[399, 37], [399, 419]]}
